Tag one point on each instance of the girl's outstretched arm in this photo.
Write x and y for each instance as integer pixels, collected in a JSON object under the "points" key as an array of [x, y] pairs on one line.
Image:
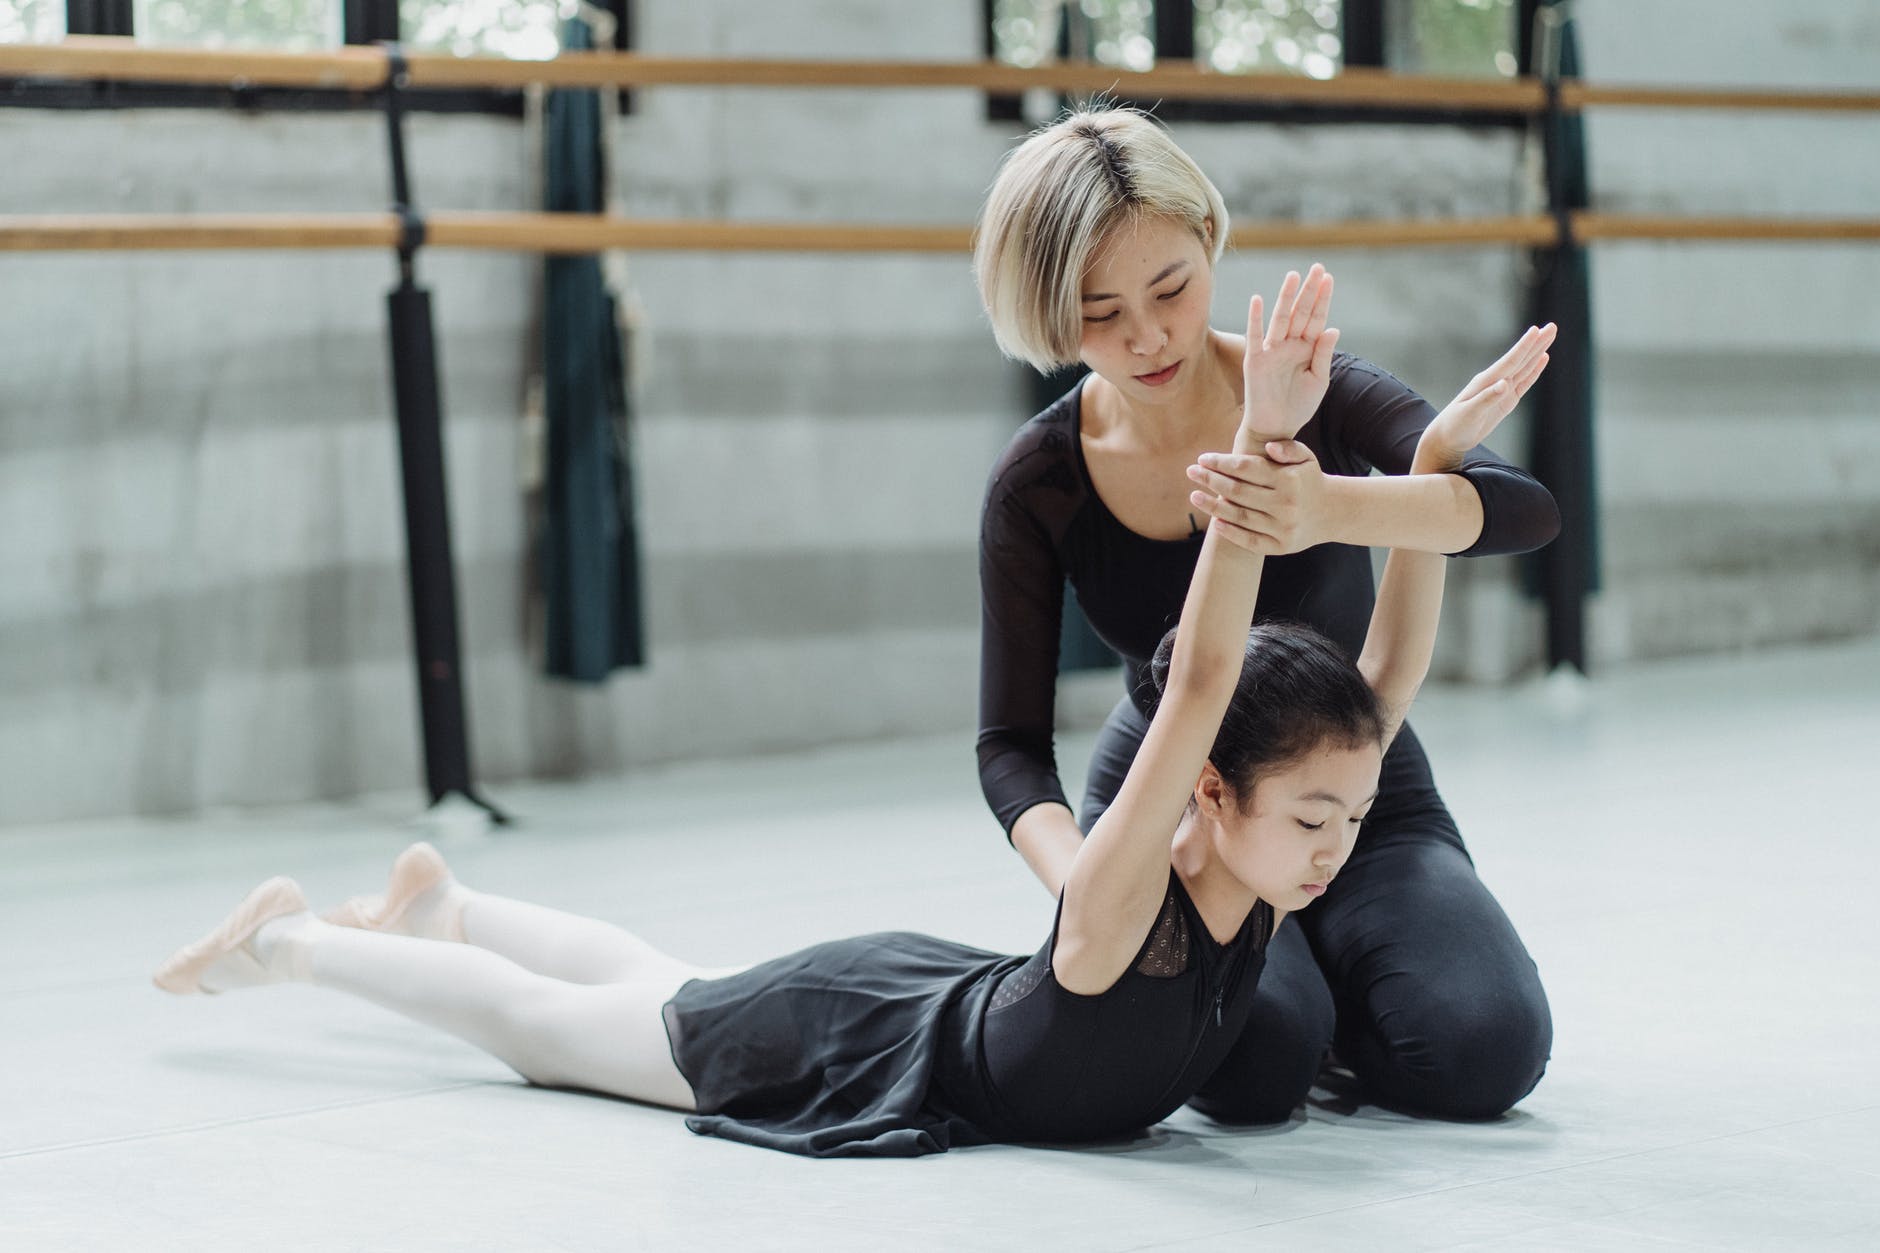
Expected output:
{"points": [[1402, 635], [1119, 877]]}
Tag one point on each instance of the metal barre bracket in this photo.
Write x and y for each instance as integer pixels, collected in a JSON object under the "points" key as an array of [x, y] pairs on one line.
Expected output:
{"points": [[411, 222]]}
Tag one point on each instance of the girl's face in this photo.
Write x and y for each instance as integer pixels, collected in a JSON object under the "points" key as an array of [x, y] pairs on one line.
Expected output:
{"points": [[1145, 307], [1299, 830]]}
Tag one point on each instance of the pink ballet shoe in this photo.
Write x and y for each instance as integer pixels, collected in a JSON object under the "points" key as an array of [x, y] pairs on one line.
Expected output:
{"points": [[228, 944], [419, 870]]}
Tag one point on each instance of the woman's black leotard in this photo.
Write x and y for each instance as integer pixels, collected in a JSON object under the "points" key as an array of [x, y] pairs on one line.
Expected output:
{"points": [[1043, 524], [1410, 960], [897, 1044]]}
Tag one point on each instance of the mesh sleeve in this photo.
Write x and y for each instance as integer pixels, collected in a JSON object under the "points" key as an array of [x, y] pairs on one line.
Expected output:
{"points": [[1379, 419], [1021, 595]]}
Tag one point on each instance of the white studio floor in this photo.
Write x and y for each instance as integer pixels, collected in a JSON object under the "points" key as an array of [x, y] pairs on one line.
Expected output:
{"points": [[1685, 847]]}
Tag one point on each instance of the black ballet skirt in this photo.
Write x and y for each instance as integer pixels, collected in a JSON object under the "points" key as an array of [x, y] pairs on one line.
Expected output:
{"points": [[898, 1044]]}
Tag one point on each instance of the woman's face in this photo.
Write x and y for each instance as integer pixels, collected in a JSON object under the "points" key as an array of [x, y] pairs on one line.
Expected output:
{"points": [[1301, 826], [1145, 308]]}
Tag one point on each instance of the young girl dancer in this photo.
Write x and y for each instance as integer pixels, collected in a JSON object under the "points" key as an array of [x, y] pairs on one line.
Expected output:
{"points": [[1241, 806], [1408, 964]]}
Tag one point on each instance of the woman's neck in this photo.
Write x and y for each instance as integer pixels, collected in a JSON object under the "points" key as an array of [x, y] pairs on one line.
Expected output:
{"points": [[1207, 406]]}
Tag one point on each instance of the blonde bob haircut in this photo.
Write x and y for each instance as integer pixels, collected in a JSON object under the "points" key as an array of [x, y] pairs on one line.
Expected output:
{"points": [[1056, 199]]}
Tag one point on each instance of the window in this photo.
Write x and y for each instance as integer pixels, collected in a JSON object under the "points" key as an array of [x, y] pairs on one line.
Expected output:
{"points": [[1313, 38], [31, 21], [522, 29], [297, 25], [1460, 38], [1109, 32], [1268, 37]]}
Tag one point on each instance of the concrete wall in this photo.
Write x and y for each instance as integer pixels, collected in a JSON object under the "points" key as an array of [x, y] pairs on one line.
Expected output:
{"points": [[201, 582], [202, 595], [1738, 395]]}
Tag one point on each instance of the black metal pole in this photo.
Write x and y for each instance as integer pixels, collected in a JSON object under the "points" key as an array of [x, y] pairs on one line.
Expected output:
{"points": [[430, 569], [1563, 452], [1562, 439]]}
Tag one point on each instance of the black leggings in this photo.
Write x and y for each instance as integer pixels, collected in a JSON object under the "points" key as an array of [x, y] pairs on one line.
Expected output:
{"points": [[1408, 966]]}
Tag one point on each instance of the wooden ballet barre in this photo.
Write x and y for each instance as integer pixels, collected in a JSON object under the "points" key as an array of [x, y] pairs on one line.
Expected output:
{"points": [[1576, 95], [1588, 227], [560, 233], [155, 232], [360, 68], [563, 233], [517, 232], [117, 58], [584, 233], [554, 232], [1533, 229], [1358, 87]]}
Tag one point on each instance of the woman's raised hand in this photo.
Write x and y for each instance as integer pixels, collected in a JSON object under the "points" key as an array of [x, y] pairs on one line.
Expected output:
{"points": [[1480, 407], [1288, 365]]}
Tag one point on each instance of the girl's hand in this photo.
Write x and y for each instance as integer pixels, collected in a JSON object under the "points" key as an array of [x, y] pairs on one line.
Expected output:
{"points": [[1271, 503], [1489, 397], [1288, 367]]}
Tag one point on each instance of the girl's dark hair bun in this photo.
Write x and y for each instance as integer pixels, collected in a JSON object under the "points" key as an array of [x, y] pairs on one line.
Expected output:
{"points": [[1297, 691]]}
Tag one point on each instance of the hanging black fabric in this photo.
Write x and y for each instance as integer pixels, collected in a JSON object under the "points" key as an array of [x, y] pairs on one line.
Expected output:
{"points": [[1561, 435], [590, 558]]}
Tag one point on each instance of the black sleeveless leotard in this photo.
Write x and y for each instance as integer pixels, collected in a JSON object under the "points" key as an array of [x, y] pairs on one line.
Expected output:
{"points": [[1043, 525], [895, 1045]]}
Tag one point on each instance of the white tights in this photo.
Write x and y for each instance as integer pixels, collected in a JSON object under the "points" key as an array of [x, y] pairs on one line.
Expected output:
{"points": [[564, 1001]]}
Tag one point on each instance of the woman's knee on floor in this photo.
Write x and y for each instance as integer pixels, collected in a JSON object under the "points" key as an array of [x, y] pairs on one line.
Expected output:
{"points": [[1464, 1060]]}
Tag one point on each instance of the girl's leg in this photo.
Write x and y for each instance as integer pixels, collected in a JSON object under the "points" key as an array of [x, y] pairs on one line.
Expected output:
{"points": [[607, 1038], [565, 946], [423, 899]]}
